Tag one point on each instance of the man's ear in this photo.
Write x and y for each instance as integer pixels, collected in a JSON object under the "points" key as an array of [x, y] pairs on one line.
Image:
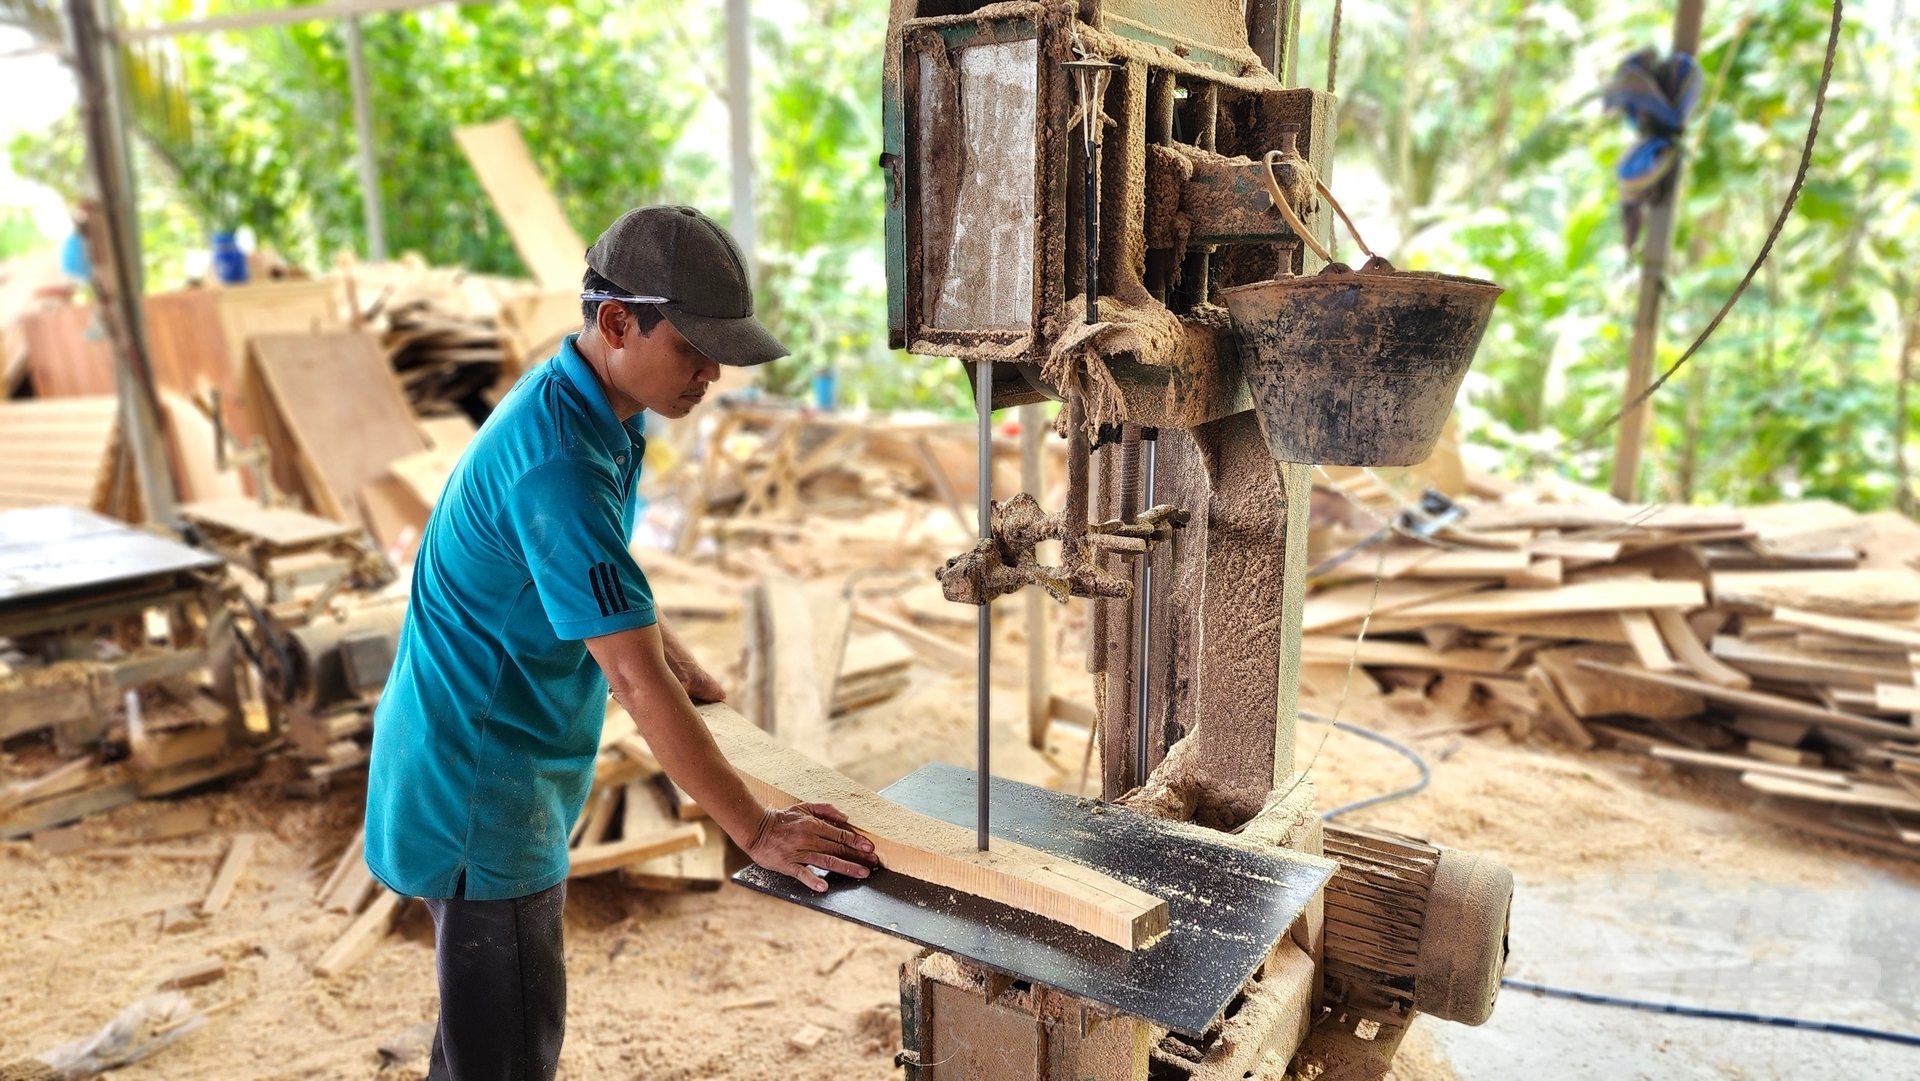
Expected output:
{"points": [[613, 322]]}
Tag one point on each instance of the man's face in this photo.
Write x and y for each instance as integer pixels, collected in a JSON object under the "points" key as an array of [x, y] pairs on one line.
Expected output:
{"points": [[661, 371]]}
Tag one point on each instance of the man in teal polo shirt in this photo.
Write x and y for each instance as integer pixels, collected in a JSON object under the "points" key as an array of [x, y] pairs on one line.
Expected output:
{"points": [[526, 609]]}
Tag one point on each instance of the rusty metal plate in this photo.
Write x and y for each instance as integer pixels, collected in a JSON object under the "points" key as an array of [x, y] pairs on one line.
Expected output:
{"points": [[1227, 904]]}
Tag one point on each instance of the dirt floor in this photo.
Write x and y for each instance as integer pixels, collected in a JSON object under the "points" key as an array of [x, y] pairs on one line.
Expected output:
{"points": [[667, 986]]}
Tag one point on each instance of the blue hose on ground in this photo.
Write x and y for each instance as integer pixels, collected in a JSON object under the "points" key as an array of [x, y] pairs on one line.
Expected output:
{"points": [[1830, 1027], [1426, 774]]}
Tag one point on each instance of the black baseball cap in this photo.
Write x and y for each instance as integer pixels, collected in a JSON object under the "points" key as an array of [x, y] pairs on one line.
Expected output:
{"points": [[684, 257]]}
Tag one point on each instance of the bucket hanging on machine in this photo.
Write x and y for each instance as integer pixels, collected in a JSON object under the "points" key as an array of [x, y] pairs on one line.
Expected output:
{"points": [[1355, 367]]}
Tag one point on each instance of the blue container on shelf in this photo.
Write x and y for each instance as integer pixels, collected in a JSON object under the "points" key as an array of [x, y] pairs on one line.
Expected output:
{"points": [[229, 262], [826, 387]]}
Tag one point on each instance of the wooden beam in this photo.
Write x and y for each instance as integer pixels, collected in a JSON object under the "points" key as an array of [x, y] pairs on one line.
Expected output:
{"points": [[1613, 596], [1392, 654], [1686, 645], [925, 848], [598, 858], [361, 936], [1907, 636], [1883, 797], [1644, 637], [1770, 704], [942, 651], [239, 856]]}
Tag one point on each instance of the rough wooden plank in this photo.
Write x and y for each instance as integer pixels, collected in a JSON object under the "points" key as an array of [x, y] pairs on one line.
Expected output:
{"points": [[1579, 516], [1854, 594], [1385, 653], [1679, 635], [1487, 563], [1335, 607], [795, 710], [193, 974], [1906, 636], [66, 808], [361, 936], [1760, 702], [239, 857], [1554, 712], [1644, 639], [339, 403], [832, 626], [942, 651], [1768, 660], [648, 811], [1885, 797], [1540, 574], [1577, 553], [552, 252], [1590, 694], [1897, 697], [355, 853], [1585, 597], [57, 450], [600, 858], [1826, 778], [942, 853]]}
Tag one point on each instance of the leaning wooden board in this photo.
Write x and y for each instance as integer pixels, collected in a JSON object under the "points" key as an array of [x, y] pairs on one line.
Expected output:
{"points": [[345, 414], [934, 851], [1614, 596]]}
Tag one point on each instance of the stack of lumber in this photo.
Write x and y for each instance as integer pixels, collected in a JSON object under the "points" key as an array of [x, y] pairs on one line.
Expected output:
{"points": [[1758, 647], [442, 356], [58, 450]]}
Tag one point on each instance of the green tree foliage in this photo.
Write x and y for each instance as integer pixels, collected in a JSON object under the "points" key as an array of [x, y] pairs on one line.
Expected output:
{"points": [[1482, 122]]}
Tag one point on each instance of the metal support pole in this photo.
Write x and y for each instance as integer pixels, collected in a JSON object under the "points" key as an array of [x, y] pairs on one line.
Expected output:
{"points": [[1143, 657], [740, 124], [363, 135], [983, 404], [119, 277], [1656, 245], [1033, 419]]}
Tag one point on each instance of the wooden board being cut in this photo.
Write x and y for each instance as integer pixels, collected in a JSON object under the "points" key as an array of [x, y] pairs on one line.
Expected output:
{"points": [[338, 401], [553, 253], [1856, 594], [925, 848]]}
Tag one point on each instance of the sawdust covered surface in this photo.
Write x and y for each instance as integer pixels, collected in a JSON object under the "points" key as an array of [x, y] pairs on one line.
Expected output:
{"points": [[660, 985], [1549, 812]]}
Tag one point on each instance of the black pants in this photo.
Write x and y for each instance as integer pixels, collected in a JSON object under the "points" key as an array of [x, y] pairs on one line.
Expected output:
{"points": [[503, 987]]}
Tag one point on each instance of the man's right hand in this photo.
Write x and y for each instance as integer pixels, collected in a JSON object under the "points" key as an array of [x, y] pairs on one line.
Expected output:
{"points": [[807, 836]]}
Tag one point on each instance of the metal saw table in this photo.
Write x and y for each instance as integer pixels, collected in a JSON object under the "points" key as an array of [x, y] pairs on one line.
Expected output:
{"points": [[1228, 902]]}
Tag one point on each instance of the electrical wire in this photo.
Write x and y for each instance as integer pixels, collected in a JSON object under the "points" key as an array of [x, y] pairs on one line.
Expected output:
{"points": [[1772, 1020], [1426, 772]]}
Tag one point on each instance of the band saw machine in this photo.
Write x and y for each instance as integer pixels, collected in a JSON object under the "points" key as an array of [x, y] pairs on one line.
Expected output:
{"points": [[1121, 205]]}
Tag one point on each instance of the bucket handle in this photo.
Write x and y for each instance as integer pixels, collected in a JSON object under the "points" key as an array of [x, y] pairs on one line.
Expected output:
{"points": [[1293, 220]]}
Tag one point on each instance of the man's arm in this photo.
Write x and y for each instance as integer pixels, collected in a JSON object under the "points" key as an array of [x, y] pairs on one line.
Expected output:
{"points": [[700, 686], [790, 841]]}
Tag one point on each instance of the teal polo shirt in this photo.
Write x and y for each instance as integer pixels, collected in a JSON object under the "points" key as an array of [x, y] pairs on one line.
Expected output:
{"points": [[485, 736]]}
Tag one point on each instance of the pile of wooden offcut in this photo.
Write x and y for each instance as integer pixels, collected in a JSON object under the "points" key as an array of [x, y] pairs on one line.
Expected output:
{"points": [[442, 356], [1778, 644]]}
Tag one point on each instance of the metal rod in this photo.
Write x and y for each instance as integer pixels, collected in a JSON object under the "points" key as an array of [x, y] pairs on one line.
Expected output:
{"points": [[983, 404], [1149, 443], [363, 136], [1091, 216], [1039, 687]]}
